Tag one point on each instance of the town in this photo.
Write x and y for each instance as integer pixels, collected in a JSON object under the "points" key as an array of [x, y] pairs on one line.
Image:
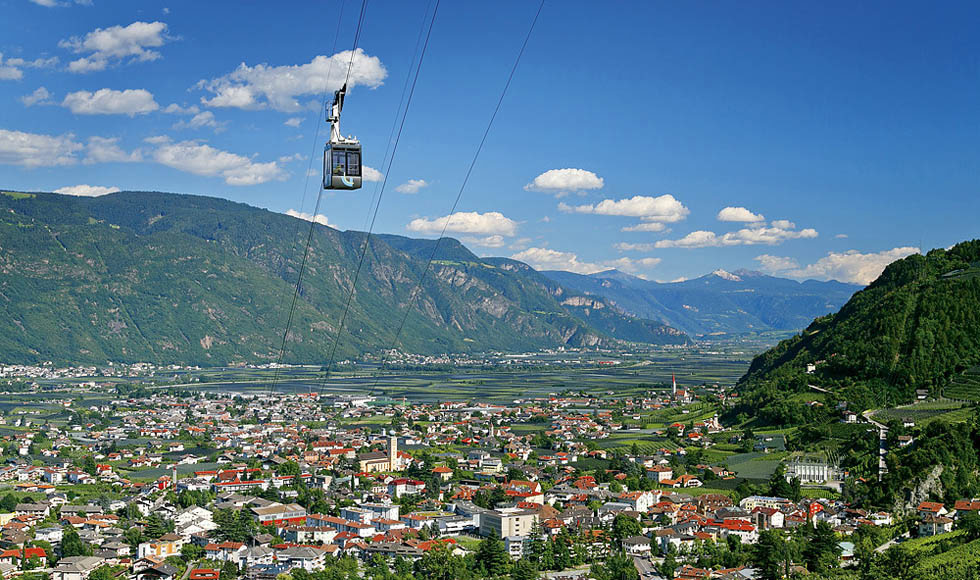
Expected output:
{"points": [[167, 484]]}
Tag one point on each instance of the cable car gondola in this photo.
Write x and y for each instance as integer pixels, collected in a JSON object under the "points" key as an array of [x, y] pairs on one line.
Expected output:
{"points": [[342, 155]]}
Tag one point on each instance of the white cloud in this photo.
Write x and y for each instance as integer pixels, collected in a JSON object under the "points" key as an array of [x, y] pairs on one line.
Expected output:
{"points": [[753, 235], [494, 241], [200, 159], [40, 96], [293, 121], [773, 264], [10, 68], [86, 190], [665, 208], [107, 150], [548, 259], [850, 266], [54, 3], [35, 150], [291, 158], [111, 102], [112, 45], [318, 218], [370, 174], [255, 87], [174, 108], [783, 224], [412, 186], [646, 227], [628, 247], [739, 214], [841, 236], [466, 222], [562, 181], [204, 119]]}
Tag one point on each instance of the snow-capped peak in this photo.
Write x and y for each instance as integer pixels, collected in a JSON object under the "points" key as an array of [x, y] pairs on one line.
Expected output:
{"points": [[724, 275]]}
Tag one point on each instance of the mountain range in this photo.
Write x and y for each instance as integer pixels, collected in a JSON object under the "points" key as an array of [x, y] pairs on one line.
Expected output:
{"points": [[168, 278], [718, 303]]}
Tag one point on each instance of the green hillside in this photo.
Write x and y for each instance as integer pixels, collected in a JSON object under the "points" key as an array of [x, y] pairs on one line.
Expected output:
{"points": [[140, 276], [916, 327]]}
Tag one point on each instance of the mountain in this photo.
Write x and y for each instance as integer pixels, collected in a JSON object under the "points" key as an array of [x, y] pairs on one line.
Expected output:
{"points": [[717, 303], [157, 277], [916, 327]]}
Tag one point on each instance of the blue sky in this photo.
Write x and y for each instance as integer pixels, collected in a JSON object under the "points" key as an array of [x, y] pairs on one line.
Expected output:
{"points": [[665, 139]]}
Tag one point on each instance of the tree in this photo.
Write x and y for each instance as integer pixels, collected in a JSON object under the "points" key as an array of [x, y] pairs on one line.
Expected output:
{"points": [[624, 526], [617, 566], [72, 545], [440, 564], [102, 573], [768, 554], [821, 551], [970, 522], [524, 570], [492, 557]]}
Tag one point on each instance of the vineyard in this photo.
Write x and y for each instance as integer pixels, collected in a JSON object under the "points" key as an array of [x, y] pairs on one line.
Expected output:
{"points": [[965, 386]]}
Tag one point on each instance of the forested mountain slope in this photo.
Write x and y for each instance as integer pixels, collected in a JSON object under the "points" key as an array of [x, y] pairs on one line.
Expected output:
{"points": [[916, 327], [141, 276]]}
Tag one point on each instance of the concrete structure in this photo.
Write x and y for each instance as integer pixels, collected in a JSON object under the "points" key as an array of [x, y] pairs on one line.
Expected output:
{"points": [[507, 522]]}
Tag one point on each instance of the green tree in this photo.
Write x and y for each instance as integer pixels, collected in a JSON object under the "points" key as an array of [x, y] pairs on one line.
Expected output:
{"points": [[524, 570], [821, 552], [492, 557], [617, 566], [768, 554], [624, 526], [72, 545]]}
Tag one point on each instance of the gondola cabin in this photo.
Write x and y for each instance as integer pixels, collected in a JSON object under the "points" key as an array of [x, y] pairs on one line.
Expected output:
{"points": [[342, 165]]}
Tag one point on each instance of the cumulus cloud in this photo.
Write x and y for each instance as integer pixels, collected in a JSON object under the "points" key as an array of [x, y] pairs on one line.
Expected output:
{"points": [[628, 247], [40, 96], [86, 190], [412, 186], [646, 227], [107, 150], [466, 222], [293, 121], [739, 214], [548, 259], [370, 174], [773, 264], [841, 236], [111, 102], [850, 266], [110, 46], [750, 236], [10, 68], [563, 181], [204, 119], [37, 150], [494, 241], [318, 218], [201, 159], [174, 108], [665, 208], [277, 87]]}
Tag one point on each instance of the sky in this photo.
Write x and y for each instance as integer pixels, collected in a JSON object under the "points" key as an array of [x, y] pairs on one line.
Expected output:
{"points": [[667, 140]]}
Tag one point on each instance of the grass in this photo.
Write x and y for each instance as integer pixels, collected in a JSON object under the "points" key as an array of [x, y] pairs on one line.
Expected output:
{"points": [[18, 195], [965, 386]]}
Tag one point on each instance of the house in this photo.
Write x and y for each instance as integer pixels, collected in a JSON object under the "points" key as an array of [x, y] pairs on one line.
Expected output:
{"points": [[507, 522], [76, 567], [164, 547], [934, 525], [931, 508], [637, 545]]}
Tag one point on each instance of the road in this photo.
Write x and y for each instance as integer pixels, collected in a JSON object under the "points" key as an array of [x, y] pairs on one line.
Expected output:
{"points": [[881, 549], [882, 441]]}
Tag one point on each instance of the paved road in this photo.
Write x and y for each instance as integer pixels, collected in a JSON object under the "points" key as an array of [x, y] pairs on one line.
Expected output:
{"points": [[882, 548], [882, 442]]}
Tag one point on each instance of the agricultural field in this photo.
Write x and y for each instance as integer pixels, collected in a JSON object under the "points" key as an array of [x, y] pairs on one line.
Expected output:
{"points": [[925, 412], [966, 386]]}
